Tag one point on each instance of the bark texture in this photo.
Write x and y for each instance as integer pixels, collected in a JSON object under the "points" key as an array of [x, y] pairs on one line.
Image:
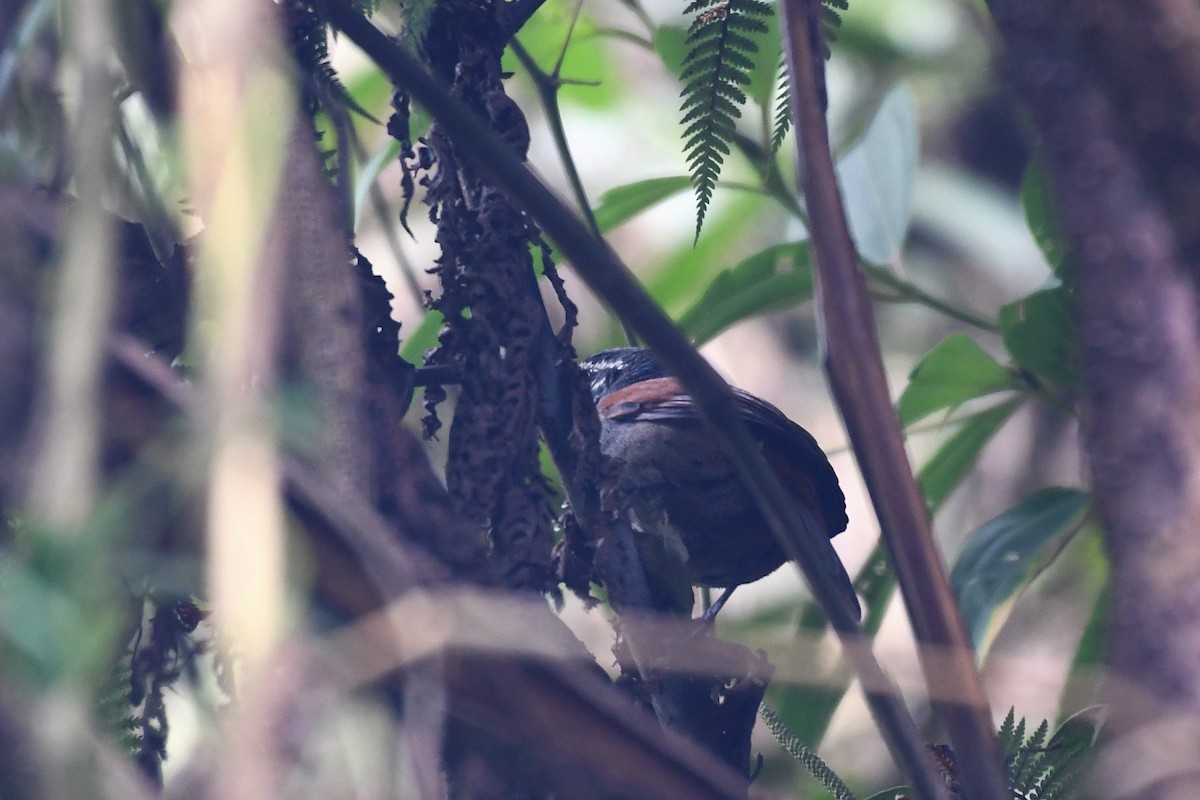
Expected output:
{"points": [[1118, 113]]}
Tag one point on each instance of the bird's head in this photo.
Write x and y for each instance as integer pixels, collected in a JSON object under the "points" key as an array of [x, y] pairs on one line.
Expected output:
{"points": [[610, 370]]}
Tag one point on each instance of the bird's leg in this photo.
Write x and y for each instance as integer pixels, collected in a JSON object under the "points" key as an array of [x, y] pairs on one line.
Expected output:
{"points": [[710, 616]]}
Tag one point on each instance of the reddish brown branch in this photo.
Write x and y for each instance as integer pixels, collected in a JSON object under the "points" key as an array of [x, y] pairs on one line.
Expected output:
{"points": [[855, 368]]}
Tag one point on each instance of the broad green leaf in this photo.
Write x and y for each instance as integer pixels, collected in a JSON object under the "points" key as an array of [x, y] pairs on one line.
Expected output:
{"points": [[623, 202], [946, 468], [1040, 335], [769, 280], [1003, 556], [370, 173], [877, 179], [1042, 216], [678, 278], [954, 371]]}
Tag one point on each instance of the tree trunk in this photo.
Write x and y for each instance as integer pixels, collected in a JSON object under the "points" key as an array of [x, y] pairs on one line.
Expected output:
{"points": [[1139, 344]]}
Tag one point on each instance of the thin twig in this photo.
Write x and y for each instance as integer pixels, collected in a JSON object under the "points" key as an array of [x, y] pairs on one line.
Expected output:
{"points": [[547, 84]]}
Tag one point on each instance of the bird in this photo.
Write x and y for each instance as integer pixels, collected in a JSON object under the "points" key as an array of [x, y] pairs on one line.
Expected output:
{"points": [[672, 475]]}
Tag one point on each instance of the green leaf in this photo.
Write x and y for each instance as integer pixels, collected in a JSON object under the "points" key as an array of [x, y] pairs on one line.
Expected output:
{"points": [[954, 371], [1040, 335], [623, 202], [369, 173], [877, 179], [679, 278], [1079, 732], [670, 42], [1003, 556], [769, 280], [1042, 216], [946, 468], [806, 756], [422, 338]]}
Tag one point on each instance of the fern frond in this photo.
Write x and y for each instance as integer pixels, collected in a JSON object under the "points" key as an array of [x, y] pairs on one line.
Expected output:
{"points": [[783, 108], [1008, 735], [310, 44], [719, 61], [831, 22], [1041, 770], [113, 711], [807, 758]]}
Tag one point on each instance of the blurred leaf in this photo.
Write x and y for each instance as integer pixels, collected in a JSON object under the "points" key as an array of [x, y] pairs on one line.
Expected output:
{"points": [[1042, 216], [370, 89], [981, 222], [1091, 654], [1040, 336], [1079, 732], [954, 371], [1091, 650], [769, 280], [623, 202], [670, 42], [877, 179], [682, 274], [809, 709], [1003, 556], [370, 173], [34, 615], [946, 468], [587, 59], [422, 338]]}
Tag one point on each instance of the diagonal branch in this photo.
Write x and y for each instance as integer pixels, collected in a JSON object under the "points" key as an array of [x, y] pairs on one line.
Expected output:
{"points": [[606, 275]]}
